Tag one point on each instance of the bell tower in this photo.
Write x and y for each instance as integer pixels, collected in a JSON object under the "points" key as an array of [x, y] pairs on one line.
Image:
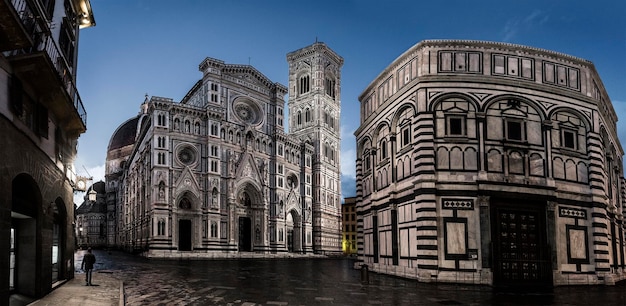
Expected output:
{"points": [[314, 112]]}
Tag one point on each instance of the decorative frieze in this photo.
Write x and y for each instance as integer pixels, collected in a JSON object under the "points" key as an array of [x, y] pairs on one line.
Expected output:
{"points": [[568, 212], [463, 204]]}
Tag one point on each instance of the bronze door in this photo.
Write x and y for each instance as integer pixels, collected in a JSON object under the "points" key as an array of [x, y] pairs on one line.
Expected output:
{"points": [[520, 251]]}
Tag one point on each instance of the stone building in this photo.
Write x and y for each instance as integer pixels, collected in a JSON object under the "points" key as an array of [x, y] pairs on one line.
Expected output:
{"points": [[348, 225], [41, 118], [490, 163], [216, 174], [91, 219]]}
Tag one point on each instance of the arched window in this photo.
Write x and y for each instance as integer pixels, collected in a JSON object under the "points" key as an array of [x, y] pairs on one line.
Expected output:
{"points": [[213, 229], [304, 84], [307, 115], [330, 87], [161, 227], [299, 118], [383, 149], [383, 134]]}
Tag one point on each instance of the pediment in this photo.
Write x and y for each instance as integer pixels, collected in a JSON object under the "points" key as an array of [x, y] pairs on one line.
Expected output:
{"points": [[247, 168], [187, 182], [293, 202], [248, 75]]}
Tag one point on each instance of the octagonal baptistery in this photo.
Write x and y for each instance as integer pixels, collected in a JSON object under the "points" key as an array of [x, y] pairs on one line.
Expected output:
{"points": [[490, 163]]}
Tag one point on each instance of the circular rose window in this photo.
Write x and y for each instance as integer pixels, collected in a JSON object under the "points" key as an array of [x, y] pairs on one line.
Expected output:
{"points": [[186, 156], [247, 111]]}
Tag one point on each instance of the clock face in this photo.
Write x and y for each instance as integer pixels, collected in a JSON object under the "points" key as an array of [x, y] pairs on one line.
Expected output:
{"points": [[80, 184]]}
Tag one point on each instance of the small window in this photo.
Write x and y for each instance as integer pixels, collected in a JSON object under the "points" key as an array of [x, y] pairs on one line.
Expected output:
{"points": [[568, 139], [383, 150], [280, 182], [514, 130], [455, 125], [406, 136]]}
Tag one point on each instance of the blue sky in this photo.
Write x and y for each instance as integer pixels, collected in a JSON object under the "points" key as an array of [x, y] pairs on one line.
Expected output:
{"points": [[154, 47]]}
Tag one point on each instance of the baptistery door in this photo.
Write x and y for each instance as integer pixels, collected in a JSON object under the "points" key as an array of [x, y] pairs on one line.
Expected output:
{"points": [[521, 255]]}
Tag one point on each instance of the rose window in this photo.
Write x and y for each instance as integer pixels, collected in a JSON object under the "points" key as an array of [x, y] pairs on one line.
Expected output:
{"points": [[186, 156], [247, 111]]}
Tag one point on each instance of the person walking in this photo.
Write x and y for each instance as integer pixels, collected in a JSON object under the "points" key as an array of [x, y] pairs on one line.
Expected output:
{"points": [[88, 260]]}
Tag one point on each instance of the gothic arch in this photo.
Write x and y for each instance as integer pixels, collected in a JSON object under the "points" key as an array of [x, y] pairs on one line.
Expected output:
{"points": [[187, 200], [293, 225], [248, 189]]}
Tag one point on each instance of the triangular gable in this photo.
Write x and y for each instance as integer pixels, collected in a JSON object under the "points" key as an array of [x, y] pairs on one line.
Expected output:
{"points": [[247, 167], [187, 182], [293, 202], [248, 74]]}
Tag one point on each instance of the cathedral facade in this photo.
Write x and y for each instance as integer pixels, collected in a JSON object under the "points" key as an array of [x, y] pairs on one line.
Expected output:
{"points": [[490, 163], [216, 174]]}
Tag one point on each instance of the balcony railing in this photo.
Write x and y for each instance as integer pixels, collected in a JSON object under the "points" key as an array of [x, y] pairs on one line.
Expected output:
{"points": [[25, 13], [44, 43]]}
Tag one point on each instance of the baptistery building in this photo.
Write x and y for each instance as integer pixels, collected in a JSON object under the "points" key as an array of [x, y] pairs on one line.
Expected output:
{"points": [[490, 163], [217, 175]]}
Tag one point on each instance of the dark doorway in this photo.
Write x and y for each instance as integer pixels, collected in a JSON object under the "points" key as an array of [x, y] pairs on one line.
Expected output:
{"points": [[245, 234], [184, 235], [521, 255], [25, 246], [290, 240]]}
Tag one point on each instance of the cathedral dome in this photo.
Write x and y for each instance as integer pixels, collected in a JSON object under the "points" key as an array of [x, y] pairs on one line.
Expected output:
{"points": [[124, 135]]}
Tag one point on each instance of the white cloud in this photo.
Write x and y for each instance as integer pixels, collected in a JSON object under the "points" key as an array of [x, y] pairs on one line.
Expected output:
{"points": [[515, 25], [96, 172], [348, 163]]}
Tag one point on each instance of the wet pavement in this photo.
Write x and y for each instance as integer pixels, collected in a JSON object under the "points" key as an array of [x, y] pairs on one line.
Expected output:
{"points": [[308, 282]]}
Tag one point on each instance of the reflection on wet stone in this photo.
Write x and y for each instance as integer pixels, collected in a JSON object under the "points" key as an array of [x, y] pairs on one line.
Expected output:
{"points": [[311, 282]]}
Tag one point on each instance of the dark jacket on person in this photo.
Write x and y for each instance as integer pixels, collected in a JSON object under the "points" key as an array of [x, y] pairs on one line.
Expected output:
{"points": [[88, 260]]}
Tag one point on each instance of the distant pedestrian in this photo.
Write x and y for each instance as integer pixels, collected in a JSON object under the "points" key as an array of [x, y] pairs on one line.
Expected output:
{"points": [[88, 260]]}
